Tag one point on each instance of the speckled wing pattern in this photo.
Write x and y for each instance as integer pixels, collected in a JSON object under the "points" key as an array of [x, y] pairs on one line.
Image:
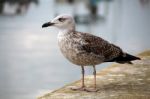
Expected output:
{"points": [[99, 46]]}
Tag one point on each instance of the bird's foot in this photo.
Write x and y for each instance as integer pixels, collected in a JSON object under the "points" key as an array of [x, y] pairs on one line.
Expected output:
{"points": [[79, 89], [84, 89], [92, 90]]}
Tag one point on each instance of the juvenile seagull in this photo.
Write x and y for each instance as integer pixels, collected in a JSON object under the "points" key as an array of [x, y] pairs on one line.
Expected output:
{"points": [[85, 49]]}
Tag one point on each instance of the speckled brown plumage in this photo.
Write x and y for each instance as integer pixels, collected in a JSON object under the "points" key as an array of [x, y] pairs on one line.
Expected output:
{"points": [[86, 49]]}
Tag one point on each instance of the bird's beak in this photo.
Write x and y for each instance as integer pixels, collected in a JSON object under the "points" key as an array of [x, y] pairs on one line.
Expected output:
{"points": [[47, 24]]}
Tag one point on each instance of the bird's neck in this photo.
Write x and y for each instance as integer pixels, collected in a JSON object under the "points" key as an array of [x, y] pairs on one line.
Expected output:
{"points": [[67, 31]]}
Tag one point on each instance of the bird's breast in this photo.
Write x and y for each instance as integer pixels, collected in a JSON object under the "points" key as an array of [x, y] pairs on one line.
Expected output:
{"points": [[71, 48], [67, 46]]}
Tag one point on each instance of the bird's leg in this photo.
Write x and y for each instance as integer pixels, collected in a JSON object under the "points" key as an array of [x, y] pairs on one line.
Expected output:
{"points": [[95, 89], [82, 88], [94, 73], [83, 85]]}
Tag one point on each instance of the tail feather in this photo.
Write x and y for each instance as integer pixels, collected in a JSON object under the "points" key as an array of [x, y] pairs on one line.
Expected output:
{"points": [[127, 58]]}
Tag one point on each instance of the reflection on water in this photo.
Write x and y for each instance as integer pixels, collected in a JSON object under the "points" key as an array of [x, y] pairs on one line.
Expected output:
{"points": [[30, 59]]}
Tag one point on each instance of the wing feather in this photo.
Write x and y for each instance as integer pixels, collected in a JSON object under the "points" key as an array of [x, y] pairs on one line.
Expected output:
{"points": [[98, 46]]}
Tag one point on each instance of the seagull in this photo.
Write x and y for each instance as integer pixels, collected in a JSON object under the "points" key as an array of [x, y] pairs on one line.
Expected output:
{"points": [[84, 49]]}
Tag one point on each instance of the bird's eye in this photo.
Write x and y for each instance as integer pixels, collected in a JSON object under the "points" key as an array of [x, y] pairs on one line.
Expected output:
{"points": [[61, 19]]}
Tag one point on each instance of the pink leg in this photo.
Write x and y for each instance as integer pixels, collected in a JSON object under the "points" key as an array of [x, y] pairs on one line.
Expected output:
{"points": [[82, 88]]}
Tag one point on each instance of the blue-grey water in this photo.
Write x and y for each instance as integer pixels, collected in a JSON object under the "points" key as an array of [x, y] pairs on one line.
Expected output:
{"points": [[30, 60]]}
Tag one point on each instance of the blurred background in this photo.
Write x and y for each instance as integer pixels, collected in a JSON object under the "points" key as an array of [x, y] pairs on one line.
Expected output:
{"points": [[30, 61]]}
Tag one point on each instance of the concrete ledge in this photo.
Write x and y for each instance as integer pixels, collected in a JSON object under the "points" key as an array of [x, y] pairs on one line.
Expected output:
{"points": [[119, 81]]}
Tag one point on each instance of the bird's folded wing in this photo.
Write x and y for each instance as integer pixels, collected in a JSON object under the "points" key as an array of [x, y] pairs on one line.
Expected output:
{"points": [[99, 46]]}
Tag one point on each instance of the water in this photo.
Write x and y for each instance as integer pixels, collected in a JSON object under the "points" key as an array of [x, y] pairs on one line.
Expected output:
{"points": [[30, 60]]}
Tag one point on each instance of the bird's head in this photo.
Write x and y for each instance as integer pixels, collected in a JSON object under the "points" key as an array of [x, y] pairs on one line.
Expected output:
{"points": [[62, 22]]}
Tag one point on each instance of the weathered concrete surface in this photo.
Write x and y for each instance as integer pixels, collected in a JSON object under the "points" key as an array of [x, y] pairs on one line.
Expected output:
{"points": [[115, 82]]}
